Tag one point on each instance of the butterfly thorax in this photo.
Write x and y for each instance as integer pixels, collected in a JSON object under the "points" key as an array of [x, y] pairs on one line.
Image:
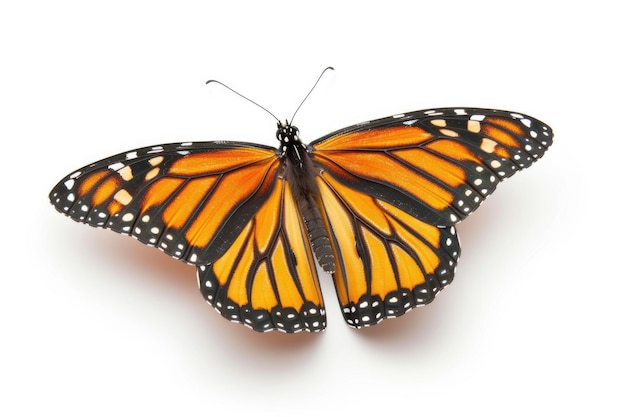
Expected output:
{"points": [[290, 145], [299, 169]]}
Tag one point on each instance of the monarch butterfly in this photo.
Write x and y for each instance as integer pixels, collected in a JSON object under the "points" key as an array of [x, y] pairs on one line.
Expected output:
{"points": [[374, 204]]}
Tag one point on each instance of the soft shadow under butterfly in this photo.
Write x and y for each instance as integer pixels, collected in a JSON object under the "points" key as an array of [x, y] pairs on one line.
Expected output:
{"points": [[375, 204]]}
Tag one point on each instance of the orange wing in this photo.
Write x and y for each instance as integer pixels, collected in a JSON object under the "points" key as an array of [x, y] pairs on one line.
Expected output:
{"points": [[190, 200], [387, 261], [391, 190], [267, 279], [223, 207], [438, 164]]}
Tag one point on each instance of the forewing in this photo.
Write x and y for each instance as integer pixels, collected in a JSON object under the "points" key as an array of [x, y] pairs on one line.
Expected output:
{"points": [[267, 279], [437, 165], [190, 200]]}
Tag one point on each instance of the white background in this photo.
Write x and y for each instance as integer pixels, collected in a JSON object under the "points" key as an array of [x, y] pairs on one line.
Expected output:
{"points": [[94, 323]]}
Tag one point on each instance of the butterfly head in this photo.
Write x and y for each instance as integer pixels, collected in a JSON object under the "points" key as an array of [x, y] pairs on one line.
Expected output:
{"points": [[291, 147], [287, 134]]}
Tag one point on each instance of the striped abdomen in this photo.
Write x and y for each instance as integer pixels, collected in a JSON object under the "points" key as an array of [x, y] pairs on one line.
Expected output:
{"points": [[301, 178], [317, 232]]}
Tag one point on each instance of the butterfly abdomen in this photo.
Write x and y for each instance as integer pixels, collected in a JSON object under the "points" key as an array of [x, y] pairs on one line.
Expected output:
{"points": [[300, 177], [317, 233]]}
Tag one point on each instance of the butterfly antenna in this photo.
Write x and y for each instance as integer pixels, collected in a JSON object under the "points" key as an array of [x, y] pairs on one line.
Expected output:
{"points": [[309, 93], [241, 95]]}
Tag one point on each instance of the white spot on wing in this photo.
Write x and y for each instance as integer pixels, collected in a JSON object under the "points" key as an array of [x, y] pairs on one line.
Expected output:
{"points": [[155, 161], [116, 166], [123, 197], [156, 149], [438, 122], [473, 126], [125, 172], [488, 145]]}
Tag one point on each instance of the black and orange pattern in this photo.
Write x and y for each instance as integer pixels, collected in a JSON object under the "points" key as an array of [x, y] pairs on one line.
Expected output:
{"points": [[381, 196]]}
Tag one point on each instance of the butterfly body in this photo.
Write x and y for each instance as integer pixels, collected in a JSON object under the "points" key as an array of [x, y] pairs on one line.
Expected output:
{"points": [[300, 174], [374, 204]]}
